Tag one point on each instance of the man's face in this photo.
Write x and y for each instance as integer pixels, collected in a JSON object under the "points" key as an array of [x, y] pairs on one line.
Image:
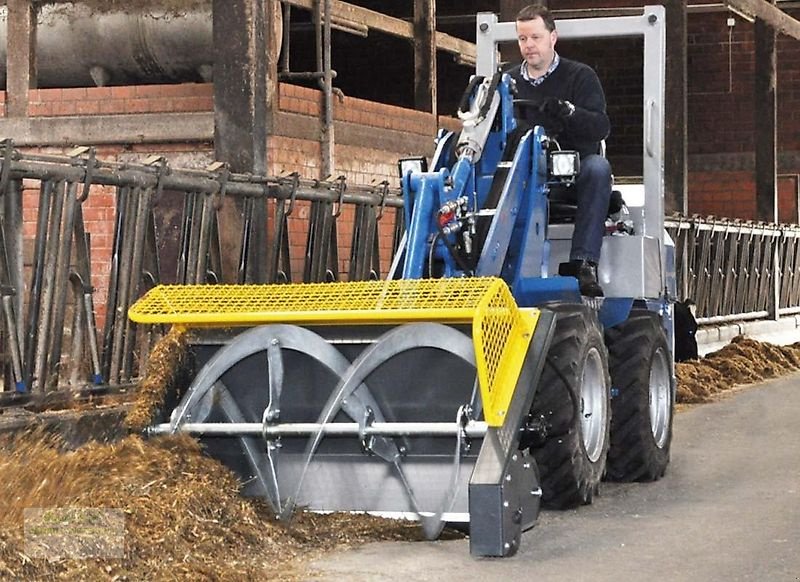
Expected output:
{"points": [[536, 44]]}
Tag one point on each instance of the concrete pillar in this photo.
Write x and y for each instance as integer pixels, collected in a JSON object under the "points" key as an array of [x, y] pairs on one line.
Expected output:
{"points": [[765, 122], [21, 56], [766, 142], [245, 93]]}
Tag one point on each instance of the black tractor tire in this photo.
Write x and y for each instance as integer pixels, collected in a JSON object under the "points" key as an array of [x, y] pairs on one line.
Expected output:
{"points": [[643, 398], [572, 411]]}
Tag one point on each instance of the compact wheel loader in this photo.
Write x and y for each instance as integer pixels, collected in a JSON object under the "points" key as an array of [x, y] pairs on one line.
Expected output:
{"points": [[473, 385]]}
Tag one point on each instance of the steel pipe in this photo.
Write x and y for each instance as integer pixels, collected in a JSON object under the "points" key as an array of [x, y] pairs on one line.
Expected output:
{"points": [[200, 182], [732, 317]]}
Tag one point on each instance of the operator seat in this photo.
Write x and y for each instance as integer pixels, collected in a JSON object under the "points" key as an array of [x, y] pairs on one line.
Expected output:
{"points": [[562, 209]]}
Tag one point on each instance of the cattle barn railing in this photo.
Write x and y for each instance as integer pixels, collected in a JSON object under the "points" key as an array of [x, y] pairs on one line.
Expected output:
{"points": [[166, 229], [736, 270]]}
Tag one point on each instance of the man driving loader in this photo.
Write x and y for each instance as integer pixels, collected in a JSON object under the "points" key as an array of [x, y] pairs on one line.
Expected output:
{"points": [[566, 98]]}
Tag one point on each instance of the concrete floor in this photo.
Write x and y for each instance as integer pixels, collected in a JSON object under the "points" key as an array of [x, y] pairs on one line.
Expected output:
{"points": [[728, 509]]}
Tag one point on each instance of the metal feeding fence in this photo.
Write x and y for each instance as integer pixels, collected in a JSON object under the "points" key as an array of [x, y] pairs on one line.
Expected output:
{"points": [[167, 229], [289, 230], [736, 270]]}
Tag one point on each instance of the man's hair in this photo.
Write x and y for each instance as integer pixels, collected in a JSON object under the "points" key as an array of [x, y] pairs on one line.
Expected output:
{"points": [[534, 11]]}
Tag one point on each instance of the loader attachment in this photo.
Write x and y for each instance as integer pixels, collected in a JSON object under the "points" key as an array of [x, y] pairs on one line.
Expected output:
{"points": [[403, 398]]}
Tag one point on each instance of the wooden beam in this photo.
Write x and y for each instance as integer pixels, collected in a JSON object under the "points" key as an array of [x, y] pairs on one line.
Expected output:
{"points": [[344, 13], [425, 55], [766, 122], [21, 56], [675, 146], [465, 52], [327, 142], [768, 13]]}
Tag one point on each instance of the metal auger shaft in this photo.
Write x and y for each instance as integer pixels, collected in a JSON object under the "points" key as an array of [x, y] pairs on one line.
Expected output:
{"points": [[473, 429]]}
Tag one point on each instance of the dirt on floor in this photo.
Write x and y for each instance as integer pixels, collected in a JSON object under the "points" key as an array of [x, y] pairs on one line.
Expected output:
{"points": [[182, 515]]}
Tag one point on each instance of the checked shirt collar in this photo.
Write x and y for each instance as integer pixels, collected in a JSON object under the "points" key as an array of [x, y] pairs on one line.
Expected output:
{"points": [[539, 80]]}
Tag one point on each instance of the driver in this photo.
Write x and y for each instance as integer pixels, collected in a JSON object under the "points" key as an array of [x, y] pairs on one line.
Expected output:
{"points": [[567, 99]]}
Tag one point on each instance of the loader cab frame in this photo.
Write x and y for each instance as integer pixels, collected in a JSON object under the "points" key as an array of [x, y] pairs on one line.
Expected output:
{"points": [[638, 263]]}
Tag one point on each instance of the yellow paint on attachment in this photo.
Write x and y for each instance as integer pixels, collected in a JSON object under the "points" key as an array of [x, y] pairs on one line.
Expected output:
{"points": [[501, 332]]}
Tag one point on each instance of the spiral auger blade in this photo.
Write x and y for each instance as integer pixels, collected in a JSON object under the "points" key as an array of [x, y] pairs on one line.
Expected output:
{"points": [[374, 396]]}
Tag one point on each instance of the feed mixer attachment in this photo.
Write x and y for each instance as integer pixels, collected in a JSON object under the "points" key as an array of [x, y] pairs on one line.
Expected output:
{"points": [[401, 398]]}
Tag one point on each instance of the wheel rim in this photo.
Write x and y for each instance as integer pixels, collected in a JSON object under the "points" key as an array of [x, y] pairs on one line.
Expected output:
{"points": [[660, 397], [594, 405]]}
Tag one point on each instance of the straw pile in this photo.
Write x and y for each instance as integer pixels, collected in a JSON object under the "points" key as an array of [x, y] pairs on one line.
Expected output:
{"points": [[166, 371], [743, 361], [184, 517]]}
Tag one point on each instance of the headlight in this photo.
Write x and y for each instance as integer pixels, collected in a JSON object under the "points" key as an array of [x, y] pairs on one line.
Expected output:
{"points": [[564, 164], [407, 165]]}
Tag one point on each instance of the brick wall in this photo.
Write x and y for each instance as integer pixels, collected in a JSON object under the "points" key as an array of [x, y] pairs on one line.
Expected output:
{"points": [[100, 207], [361, 165], [721, 74], [722, 194], [721, 82], [119, 100], [730, 194], [298, 236], [98, 213], [720, 106], [788, 189]]}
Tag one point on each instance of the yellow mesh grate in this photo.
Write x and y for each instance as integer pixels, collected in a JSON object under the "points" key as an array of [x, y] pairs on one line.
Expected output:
{"points": [[501, 332], [363, 301]]}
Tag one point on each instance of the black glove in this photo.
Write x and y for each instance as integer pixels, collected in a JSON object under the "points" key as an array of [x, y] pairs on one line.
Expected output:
{"points": [[557, 108]]}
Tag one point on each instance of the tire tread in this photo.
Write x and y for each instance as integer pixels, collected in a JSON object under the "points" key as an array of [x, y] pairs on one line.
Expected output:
{"points": [[633, 454]]}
